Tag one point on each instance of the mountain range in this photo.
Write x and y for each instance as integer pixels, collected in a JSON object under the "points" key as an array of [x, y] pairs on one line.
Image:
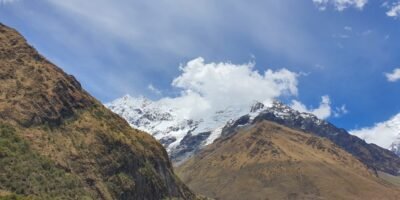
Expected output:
{"points": [[184, 137], [266, 160], [59, 142]]}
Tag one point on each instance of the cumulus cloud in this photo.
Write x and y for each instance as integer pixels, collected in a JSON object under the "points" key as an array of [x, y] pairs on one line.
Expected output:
{"points": [[393, 76], [210, 87], [323, 111], [382, 134], [340, 5], [394, 11]]}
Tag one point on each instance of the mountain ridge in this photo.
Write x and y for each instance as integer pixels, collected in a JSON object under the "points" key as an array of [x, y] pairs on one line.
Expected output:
{"points": [[58, 142], [266, 160], [373, 156], [191, 141]]}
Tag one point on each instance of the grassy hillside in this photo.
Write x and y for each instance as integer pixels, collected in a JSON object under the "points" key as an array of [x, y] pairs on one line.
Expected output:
{"points": [[58, 142], [28, 173], [270, 161]]}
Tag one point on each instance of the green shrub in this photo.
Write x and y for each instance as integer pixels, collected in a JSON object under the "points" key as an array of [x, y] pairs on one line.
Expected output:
{"points": [[25, 172]]}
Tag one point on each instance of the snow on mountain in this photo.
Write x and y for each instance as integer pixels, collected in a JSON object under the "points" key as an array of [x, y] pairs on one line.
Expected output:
{"points": [[182, 136], [373, 156], [277, 112], [168, 125], [157, 118], [385, 134]]}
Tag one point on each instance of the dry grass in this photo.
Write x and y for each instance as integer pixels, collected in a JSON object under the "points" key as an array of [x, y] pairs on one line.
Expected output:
{"points": [[395, 180], [66, 128], [270, 161]]}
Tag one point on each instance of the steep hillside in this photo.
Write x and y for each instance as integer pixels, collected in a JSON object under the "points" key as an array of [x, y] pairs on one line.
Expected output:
{"points": [[270, 161], [375, 157], [58, 142]]}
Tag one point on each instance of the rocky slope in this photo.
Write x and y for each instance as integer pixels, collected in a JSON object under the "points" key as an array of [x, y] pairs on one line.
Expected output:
{"points": [[371, 155], [266, 160], [58, 142]]}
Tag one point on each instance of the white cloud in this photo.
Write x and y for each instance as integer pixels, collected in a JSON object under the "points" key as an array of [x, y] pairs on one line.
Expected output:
{"points": [[210, 87], [394, 11], [167, 30], [382, 134], [154, 89], [393, 76], [323, 111], [340, 5]]}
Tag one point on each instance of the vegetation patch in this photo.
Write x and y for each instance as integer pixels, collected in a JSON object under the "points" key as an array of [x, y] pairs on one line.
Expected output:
{"points": [[26, 173]]}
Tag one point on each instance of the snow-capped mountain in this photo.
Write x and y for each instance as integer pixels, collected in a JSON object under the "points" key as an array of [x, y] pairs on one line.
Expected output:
{"points": [[277, 112], [181, 136], [385, 134], [375, 157]]}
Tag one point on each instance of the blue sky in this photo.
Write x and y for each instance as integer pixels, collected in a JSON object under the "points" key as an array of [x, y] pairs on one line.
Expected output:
{"points": [[121, 47]]}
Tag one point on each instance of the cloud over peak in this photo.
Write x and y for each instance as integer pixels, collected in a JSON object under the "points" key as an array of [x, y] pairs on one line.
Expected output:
{"points": [[210, 79], [209, 87], [323, 111], [382, 133]]}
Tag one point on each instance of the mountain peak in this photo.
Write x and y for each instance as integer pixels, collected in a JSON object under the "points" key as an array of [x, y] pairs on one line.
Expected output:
{"points": [[33, 90], [184, 136], [127, 97], [256, 106]]}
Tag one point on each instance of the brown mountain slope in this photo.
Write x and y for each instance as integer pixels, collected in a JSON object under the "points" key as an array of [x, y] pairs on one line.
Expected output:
{"points": [[58, 142], [270, 161]]}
